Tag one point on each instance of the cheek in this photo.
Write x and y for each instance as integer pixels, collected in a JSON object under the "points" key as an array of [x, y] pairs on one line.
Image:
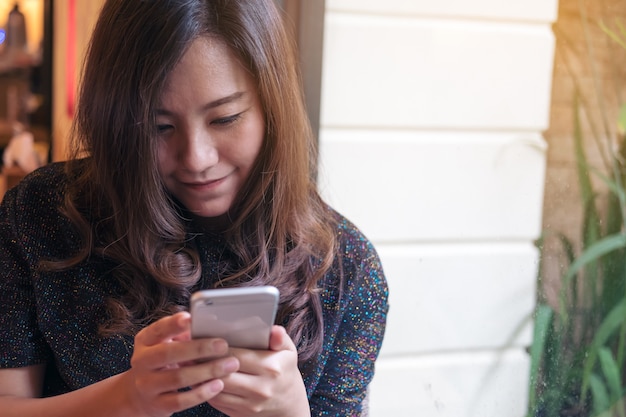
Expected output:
{"points": [[165, 159], [256, 136], [251, 153]]}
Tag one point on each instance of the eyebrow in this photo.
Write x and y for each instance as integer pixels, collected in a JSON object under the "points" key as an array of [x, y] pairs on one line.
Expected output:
{"points": [[216, 103]]}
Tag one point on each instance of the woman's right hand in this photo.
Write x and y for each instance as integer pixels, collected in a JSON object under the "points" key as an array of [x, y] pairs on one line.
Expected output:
{"points": [[170, 372]]}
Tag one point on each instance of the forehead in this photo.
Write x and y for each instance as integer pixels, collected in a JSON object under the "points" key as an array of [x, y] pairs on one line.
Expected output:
{"points": [[208, 66]]}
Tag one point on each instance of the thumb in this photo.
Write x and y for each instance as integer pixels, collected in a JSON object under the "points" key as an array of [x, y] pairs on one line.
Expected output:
{"points": [[280, 340]]}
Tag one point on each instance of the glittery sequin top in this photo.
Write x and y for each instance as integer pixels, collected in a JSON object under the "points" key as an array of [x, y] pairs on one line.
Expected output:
{"points": [[52, 317]]}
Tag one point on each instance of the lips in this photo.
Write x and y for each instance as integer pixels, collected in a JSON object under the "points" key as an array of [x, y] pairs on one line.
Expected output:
{"points": [[204, 184]]}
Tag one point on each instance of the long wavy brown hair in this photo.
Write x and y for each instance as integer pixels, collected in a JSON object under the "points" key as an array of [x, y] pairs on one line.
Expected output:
{"points": [[282, 233]]}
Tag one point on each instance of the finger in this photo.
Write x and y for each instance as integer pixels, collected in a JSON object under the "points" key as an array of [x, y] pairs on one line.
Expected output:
{"points": [[229, 403], [164, 329], [280, 340], [178, 401], [186, 335], [180, 353], [238, 384], [254, 361], [170, 380]]}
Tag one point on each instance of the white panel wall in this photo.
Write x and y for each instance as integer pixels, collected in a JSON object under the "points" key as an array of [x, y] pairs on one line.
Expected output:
{"points": [[416, 185], [430, 138], [502, 10], [442, 296], [434, 73], [476, 384]]}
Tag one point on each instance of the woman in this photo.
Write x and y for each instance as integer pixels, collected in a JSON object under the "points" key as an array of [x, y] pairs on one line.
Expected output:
{"points": [[193, 168]]}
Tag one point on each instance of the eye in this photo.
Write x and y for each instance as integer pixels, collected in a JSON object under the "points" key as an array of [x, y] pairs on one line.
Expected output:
{"points": [[164, 128], [225, 121]]}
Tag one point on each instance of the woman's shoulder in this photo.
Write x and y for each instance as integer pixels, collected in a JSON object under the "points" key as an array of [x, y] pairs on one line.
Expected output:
{"points": [[351, 239], [357, 263], [38, 192], [47, 179]]}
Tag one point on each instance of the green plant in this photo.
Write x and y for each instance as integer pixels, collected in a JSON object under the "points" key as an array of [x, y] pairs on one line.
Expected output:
{"points": [[578, 354]]}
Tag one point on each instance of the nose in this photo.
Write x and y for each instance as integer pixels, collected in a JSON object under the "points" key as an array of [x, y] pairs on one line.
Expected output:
{"points": [[199, 151]]}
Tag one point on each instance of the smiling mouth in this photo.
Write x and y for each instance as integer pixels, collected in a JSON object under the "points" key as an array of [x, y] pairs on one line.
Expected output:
{"points": [[204, 184]]}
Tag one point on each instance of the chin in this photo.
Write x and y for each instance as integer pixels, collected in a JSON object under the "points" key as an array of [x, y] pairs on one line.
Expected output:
{"points": [[208, 209], [210, 212]]}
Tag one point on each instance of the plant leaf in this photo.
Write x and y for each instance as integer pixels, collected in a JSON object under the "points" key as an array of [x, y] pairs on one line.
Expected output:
{"points": [[612, 35], [591, 254], [611, 374], [609, 325], [543, 322], [599, 395], [621, 121]]}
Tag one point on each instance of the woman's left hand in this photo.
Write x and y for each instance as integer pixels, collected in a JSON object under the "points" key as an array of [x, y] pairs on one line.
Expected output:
{"points": [[268, 382]]}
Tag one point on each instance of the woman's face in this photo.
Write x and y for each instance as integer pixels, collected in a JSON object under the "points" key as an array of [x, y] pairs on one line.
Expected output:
{"points": [[211, 128]]}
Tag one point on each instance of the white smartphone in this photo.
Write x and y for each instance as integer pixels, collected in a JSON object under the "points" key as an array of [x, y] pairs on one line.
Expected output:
{"points": [[242, 316]]}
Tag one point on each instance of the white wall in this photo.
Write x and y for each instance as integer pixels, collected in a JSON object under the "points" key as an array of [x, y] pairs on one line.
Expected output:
{"points": [[431, 126]]}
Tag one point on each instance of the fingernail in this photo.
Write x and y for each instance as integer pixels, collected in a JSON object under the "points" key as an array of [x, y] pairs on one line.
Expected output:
{"points": [[182, 318], [220, 345], [230, 365], [214, 386]]}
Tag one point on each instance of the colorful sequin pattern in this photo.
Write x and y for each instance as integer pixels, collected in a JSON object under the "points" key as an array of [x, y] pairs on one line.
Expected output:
{"points": [[53, 317]]}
